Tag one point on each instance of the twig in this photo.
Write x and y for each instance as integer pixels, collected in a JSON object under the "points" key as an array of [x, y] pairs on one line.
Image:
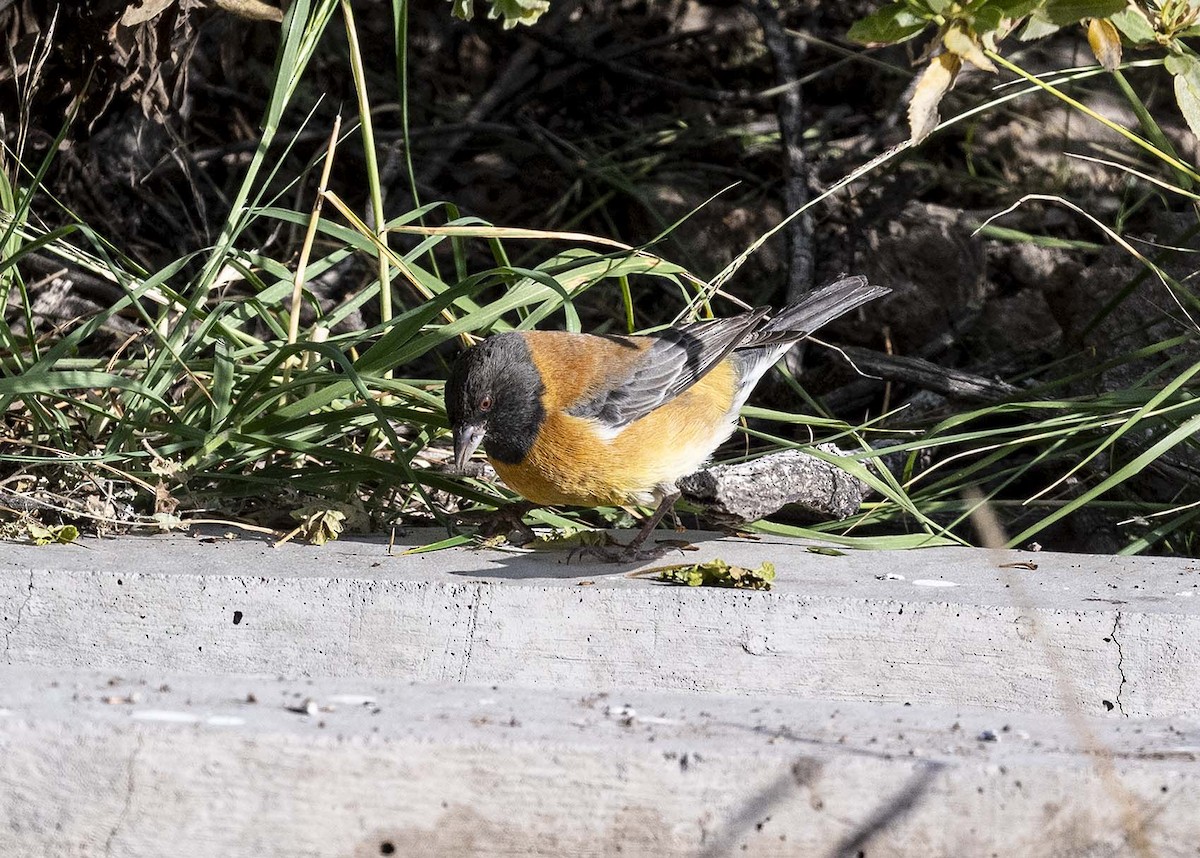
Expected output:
{"points": [[954, 383]]}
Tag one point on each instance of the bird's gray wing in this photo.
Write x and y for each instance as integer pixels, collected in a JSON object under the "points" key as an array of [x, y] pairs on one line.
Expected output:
{"points": [[672, 361]]}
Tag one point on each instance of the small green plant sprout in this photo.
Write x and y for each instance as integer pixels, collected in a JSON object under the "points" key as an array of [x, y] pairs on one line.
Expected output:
{"points": [[63, 534]]}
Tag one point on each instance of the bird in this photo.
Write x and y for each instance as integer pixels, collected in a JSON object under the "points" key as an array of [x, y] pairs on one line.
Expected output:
{"points": [[587, 420]]}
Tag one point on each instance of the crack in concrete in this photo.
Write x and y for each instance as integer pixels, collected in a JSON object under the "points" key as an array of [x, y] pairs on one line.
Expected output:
{"points": [[11, 630], [1120, 660], [131, 770], [472, 621]]}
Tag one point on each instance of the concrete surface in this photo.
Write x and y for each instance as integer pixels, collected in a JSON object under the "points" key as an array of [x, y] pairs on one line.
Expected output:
{"points": [[155, 764], [1101, 635]]}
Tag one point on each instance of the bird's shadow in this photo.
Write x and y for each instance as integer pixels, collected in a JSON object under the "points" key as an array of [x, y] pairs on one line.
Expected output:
{"points": [[524, 564], [530, 565], [515, 564]]}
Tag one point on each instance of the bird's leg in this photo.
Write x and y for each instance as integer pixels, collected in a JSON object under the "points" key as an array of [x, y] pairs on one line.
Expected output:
{"points": [[666, 505], [507, 521], [633, 551]]}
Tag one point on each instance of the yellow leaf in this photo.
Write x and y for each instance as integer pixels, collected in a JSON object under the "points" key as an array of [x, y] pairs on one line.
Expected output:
{"points": [[935, 82], [1105, 42], [63, 534], [958, 40]]}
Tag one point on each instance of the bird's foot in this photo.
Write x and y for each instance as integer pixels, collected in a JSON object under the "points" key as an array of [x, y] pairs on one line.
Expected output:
{"points": [[508, 521]]}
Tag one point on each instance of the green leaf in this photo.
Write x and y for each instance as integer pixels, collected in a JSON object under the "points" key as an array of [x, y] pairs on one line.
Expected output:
{"points": [[1186, 69], [986, 20], [825, 551], [1064, 12], [452, 542], [62, 535], [1178, 64], [1012, 8], [1133, 26], [1037, 27], [887, 26]]}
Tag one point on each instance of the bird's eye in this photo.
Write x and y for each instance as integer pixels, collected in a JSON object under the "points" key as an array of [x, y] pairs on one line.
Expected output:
{"points": [[485, 404]]}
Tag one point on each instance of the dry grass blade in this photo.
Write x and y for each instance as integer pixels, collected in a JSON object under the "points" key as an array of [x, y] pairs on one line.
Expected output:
{"points": [[992, 536]]}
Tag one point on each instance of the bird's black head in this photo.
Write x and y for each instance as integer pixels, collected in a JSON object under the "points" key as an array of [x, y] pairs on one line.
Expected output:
{"points": [[494, 397]]}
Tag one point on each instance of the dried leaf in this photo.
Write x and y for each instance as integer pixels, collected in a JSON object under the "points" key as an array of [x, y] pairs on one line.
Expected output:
{"points": [[825, 551], [155, 55], [322, 526], [164, 501], [167, 522], [958, 40], [136, 13], [935, 82], [1105, 42], [253, 10], [718, 573]]}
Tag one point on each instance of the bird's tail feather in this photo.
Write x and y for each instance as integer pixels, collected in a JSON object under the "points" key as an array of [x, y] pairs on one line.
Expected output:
{"points": [[759, 351], [796, 321]]}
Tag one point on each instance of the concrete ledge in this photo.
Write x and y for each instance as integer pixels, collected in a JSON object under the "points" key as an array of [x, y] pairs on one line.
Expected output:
{"points": [[155, 765], [941, 626]]}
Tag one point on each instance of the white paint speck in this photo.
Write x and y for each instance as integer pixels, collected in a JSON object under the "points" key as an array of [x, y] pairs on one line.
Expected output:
{"points": [[1186, 594], [165, 715], [5, 712], [892, 576], [224, 720], [931, 582], [352, 699]]}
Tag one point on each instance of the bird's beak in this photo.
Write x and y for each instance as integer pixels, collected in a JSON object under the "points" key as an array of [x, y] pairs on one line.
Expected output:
{"points": [[466, 441]]}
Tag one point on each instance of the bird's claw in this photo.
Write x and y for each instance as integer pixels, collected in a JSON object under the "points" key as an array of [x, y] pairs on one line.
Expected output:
{"points": [[508, 521]]}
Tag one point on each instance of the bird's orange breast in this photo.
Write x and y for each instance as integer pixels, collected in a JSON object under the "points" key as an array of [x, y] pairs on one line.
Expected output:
{"points": [[573, 461]]}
